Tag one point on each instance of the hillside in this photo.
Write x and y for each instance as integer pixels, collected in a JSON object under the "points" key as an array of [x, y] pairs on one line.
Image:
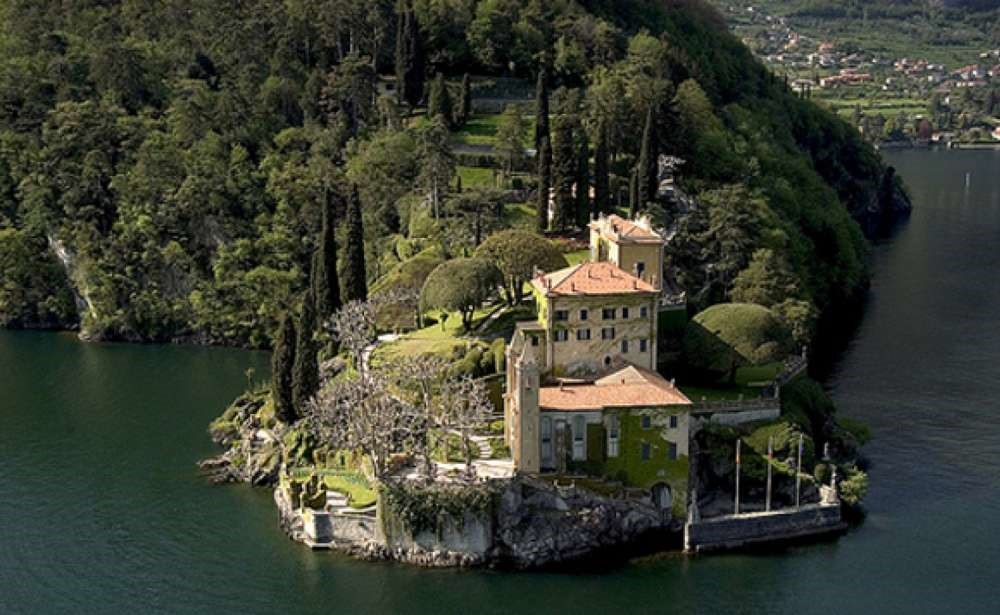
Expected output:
{"points": [[166, 168]]}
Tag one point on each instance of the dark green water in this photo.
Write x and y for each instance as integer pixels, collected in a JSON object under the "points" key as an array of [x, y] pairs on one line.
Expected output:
{"points": [[102, 510]]}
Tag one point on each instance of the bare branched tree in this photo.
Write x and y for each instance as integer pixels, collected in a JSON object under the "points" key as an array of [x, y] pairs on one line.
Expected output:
{"points": [[354, 327], [422, 376], [463, 407], [363, 415]]}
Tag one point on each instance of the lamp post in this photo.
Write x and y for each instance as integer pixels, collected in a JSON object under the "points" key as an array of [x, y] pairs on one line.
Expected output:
{"points": [[737, 503], [770, 456], [798, 475]]}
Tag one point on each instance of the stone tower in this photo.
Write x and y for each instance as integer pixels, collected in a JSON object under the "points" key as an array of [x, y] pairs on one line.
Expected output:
{"points": [[524, 417]]}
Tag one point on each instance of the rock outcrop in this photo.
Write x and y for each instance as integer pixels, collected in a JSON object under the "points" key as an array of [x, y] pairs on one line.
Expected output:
{"points": [[539, 524]]}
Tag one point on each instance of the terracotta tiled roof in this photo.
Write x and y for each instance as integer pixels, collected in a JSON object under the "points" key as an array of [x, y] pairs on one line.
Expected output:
{"points": [[631, 387], [588, 278], [624, 230]]}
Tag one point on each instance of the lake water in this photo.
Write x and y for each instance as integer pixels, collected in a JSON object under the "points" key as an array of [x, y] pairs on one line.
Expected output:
{"points": [[102, 509]]}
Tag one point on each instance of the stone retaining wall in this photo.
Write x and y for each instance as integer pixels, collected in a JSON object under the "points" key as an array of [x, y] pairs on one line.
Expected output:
{"points": [[738, 531]]}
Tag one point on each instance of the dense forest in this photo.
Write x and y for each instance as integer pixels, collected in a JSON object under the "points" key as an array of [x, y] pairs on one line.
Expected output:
{"points": [[182, 170]]}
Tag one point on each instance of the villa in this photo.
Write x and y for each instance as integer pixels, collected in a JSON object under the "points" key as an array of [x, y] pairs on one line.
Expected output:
{"points": [[582, 388]]}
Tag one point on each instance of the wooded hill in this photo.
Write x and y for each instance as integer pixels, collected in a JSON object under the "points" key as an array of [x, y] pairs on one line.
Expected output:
{"points": [[166, 166]]}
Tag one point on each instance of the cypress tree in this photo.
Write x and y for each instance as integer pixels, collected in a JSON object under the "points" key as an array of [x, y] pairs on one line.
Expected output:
{"points": [[355, 283], [583, 205], [305, 370], [464, 111], [542, 109], [282, 366], [646, 170], [325, 282], [602, 173], [544, 183], [401, 57], [633, 194], [564, 174], [409, 57], [439, 102]]}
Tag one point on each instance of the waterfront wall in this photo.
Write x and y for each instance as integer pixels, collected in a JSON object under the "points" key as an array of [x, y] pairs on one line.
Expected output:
{"points": [[740, 531]]}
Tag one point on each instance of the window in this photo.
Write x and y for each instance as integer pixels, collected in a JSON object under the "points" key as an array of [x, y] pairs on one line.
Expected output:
{"points": [[624, 313], [579, 436], [583, 334], [624, 346], [643, 345], [560, 335], [671, 450], [546, 441], [583, 314], [608, 314], [562, 315], [646, 422], [534, 340], [640, 268], [645, 451], [608, 333], [614, 427], [644, 312], [673, 421]]}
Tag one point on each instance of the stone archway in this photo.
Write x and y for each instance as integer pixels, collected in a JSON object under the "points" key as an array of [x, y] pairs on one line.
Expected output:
{"points": [[662, 496]]}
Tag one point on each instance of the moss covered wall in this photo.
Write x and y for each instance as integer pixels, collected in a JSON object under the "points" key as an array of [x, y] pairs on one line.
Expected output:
{"points": [[659, 468]]}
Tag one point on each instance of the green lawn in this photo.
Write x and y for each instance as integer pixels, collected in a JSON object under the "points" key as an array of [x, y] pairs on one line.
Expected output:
{"points": [[482, 129], [359, 492], [578, 256], [719, 393], [434, 339], [520, 215], [475, 177]]}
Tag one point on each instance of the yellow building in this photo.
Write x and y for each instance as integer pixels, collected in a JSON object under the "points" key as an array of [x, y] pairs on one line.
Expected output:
{"points": [[582, 386]]}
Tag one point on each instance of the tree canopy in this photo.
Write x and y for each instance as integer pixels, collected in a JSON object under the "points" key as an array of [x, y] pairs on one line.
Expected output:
{"points": [[517, 254], [461, 285]]}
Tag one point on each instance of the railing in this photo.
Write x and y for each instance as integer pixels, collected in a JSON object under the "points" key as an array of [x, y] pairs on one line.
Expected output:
{"points": [[735, 405]]}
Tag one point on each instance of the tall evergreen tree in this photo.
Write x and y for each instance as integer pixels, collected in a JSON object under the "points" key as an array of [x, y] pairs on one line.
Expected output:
{"points": [[542, 109], [633, 193], [583, 204], [439, 101], [564, 174], [647, 167], [305, 369], [325, 282], [602, 171], [355, 282], [409, 56], [282, 367], [464, 107], [544, 183]]}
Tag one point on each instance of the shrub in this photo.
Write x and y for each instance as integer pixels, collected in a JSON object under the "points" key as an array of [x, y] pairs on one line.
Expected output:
{"points": [[854, 487], [729, 335]]}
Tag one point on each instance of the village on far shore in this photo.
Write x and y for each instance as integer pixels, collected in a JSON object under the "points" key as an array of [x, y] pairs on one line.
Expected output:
{"points": [[894, 100]]}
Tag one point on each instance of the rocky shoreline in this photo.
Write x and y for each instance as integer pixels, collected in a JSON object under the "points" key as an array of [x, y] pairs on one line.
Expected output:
{"points": [[534, 524]]}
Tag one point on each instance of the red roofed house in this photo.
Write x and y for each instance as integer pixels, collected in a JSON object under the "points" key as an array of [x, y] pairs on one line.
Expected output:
{"points": [[582, 386]]}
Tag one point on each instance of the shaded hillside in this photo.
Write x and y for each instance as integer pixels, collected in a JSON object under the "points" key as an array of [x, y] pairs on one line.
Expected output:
{"points": [[182, 154]]}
